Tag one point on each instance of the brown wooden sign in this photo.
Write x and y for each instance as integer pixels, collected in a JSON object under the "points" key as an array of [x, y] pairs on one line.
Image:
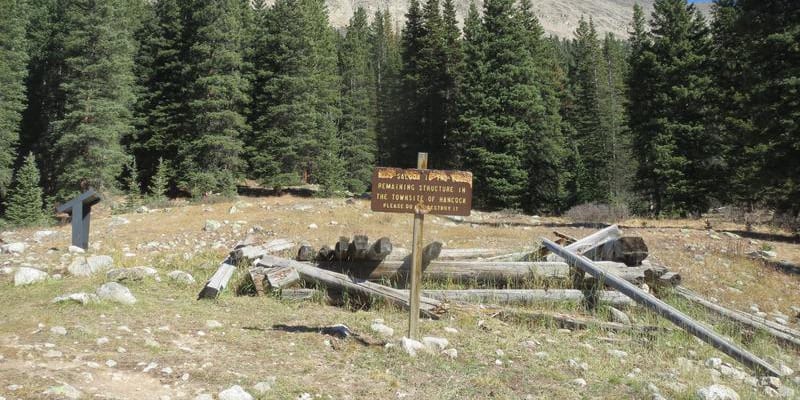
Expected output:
{"points": [[424, 191]]}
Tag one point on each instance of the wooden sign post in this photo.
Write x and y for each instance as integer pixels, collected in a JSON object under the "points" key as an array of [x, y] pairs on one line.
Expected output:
{"points": [[420, 191]]}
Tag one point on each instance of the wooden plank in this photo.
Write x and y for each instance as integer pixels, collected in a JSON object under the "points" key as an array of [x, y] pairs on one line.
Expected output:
{"points": [[526, 296], [298, 294], [250, 253], [782, 333], [428, 307], [590, 242], [456, 254], [218, 281], [457, 271], [665, 310]]}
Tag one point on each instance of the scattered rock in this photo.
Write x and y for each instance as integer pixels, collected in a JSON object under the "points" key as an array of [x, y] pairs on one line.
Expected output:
{"points": [[312, 226], [786, 371], [117, 221], [235, 392], [265, 386], [88, 266], [63, 391], [714, 362], [212, 225], [382, 329], [731, 235], [450, 330], [58, 330], [770, 392], [617, 353], [619, 316], [699, 258], [233, 210], [305, 396], [76, 250], [717, 392], [435, 343], [181, 277], [80, 298], [452, 353], [580, 382], [38, 236], [142, 210], [115, 292], [26, 276], [411, 346], [132, 274], [212, 324], [13, 248], [578, 366], [772, 381]]}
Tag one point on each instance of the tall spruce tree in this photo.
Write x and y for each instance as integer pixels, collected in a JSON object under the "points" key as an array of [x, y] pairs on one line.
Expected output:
{"points": [[452, 61], [98, 92], [679, 164], [406, 141], [24, 203], [591, 142], [500, 106], [386, 63], [296, 98], [163, 124], [13, 71], [211, 159], [357, 125]]}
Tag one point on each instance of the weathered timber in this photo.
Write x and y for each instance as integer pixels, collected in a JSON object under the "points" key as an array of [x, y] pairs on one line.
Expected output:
{"points": [[669, 279], [431, 252], [218, 281], [306, 253], [298, 294], [590, 242], [357, 250], [380, 249], [630, 250], [259, 277], [428, 307], [340, 249], [525, 296], [458, 271], [574, 323], [326, 254], [650, 274], [665, 310], [252, 252], [782, 333], [455, 254], [569, 239]]}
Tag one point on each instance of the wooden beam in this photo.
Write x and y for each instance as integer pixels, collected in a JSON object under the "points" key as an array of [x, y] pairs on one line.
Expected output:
{"points": [[458, 271], [218, 281], [526, 296]]}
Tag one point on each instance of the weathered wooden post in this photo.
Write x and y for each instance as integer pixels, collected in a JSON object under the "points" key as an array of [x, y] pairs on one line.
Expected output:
{"points": [[80, 209], [420, 191]]}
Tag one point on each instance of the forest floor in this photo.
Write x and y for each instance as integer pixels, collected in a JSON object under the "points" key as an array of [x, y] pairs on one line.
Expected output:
{"points": [[167, 344]]}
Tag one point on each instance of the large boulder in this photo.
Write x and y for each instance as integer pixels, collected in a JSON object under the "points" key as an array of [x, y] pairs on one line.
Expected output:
{"points": [[113, 291], [717, 392], [13, 248], [235, 392], [88, 266], [27, 276]]}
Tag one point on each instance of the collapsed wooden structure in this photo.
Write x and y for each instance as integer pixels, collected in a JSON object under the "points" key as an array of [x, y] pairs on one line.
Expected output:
{"points": [[604, 267]]}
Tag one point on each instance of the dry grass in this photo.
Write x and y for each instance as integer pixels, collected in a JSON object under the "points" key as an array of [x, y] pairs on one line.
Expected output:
{"points": [[247, 349]]}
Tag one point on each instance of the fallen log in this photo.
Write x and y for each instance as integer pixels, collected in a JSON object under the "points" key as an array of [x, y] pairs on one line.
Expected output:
{"points": [[218, 281], [782, 333], [305, 253], [357, 250], [574, 323], [252, 252], [665, 310], [525, 296], [629, 250], [340, 249], [428, 307], [590, 242], [457, 271], [380, 249], [325, 254], [454, 254]]}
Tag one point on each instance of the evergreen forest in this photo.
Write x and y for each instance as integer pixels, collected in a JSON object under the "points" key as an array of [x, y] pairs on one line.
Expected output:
{"points": [[173, 98]]}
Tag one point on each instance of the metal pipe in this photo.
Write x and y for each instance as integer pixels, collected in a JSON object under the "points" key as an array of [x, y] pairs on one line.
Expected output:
{"points": [[663, 309]]}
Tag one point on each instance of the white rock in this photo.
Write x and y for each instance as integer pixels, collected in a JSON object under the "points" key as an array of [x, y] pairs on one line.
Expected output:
{"points": [[771, 393], [382, 329], [111, 363], [204, 396], [100, 263], [262, 387], [63, 391], [305, 396], [26, 276], [772, 381], [714, 362], [435, 343], [41, 235], [212, 324], [617, 353], [786, 371], [717, 392], [133, 274], [452, 353], [101, 341], [212, 225], [117, 221], [235, 392], [312, 226], [58, 330], [13, 248], [115, 292], [76, 250], [411, 346], [181, 277], [142, 210], [580, 382], [619, 316], [578, 366], [450, 330], [80, 298]]}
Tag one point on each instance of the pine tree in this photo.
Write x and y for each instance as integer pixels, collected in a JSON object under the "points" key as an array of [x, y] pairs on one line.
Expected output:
{"points": [[159, 183], [296, 95], [24, 202], [357, 125], [501, 104], [590, 140], [97, 85], [386, 64], [679, 169], [450, 85], [163, 124], [133, 188], [13, 71], [211, 159], [406, 142]]}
